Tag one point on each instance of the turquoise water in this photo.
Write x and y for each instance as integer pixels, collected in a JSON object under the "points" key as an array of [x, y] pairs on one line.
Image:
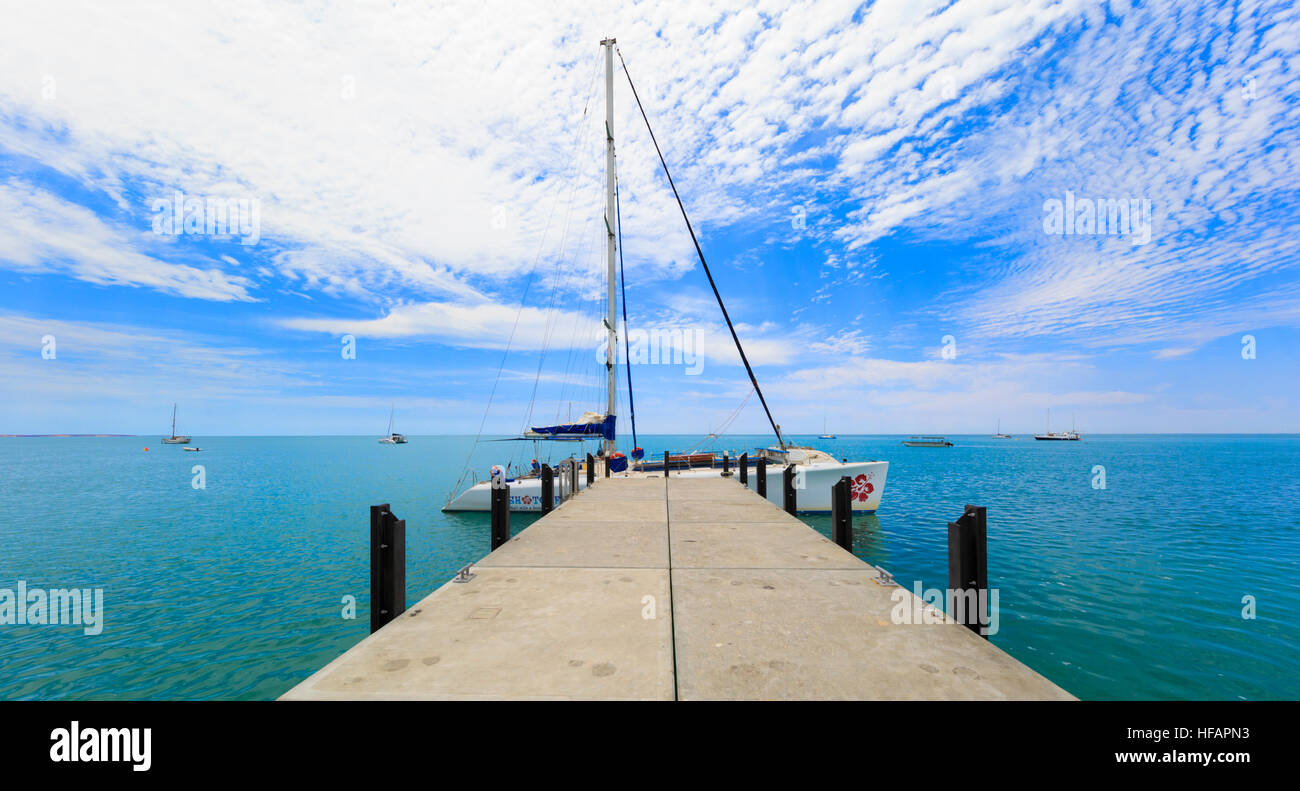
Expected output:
{"points": [[236, 590]]}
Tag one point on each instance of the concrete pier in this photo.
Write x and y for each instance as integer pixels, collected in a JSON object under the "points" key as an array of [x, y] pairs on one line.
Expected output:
{"points": [[689, 589]]}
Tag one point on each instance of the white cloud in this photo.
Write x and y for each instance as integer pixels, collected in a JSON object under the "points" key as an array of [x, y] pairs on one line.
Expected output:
{"points": [[485, 325], [427, 142], [40, 232], [425, 160]]}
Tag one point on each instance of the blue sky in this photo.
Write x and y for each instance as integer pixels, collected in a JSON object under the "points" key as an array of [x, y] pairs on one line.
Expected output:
{"points": [[871, 185]]}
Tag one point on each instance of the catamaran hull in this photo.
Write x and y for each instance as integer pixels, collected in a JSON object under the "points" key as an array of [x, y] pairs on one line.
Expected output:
{"points": [[813, 484], [525, 495], [812, 487]]}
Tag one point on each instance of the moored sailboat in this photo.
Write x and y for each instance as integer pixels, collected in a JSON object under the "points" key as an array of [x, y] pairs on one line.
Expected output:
{"points": [[393, 438], [175, 439], [816, 471]]}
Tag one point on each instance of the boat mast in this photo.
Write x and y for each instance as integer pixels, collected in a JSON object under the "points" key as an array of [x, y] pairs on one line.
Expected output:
{"points": [[173, 420], [749, 369], [611, 349]]}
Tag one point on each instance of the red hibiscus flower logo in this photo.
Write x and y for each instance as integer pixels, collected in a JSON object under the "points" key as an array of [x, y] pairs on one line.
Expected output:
{"points": [[862, 488]]}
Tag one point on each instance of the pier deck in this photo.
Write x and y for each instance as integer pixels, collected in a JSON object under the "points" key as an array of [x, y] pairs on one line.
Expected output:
{"points": [[691, 589]]}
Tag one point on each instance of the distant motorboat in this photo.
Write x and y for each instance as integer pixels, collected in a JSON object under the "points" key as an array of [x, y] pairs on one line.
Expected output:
{"points": [[192, 450], [393, 437], [1060, 435], [927, 442], [1068, 436], [174, 439]]}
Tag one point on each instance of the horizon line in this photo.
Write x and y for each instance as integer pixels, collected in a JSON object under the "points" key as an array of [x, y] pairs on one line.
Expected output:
{"points": [[683, 434]]}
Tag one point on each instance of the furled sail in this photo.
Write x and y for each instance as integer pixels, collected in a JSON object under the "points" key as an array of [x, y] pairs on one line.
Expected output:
{"points": [[591, 424]]}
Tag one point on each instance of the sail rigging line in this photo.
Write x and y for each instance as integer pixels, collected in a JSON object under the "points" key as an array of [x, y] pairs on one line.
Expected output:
{"points": [[622, 285], [560, 276], [699, 252], [563, 283], [586, 386], [558, 279], [532, 272], [725, 424]]}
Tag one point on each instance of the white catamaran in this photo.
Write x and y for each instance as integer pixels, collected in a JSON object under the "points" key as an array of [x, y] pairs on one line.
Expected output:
{"points": [[815, 470], [393, 438]]}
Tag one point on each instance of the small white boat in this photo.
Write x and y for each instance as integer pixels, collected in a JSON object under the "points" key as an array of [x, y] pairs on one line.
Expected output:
{"points": [[825, 434], [999, 434], [175, 439], [192, 450], [393, 437]]}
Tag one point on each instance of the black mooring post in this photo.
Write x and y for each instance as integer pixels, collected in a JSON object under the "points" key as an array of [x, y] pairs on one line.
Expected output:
{"points": [[842, 513], [548, 488], [573, 477], [606, 465], [665, 464], [500, 511], [762, 476], [968, 571], [744, 469], [387, 566], [726, 465], [591, 469], [788, 497]]}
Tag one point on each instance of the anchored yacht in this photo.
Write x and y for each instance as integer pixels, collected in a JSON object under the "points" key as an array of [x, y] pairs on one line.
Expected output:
{"points": [[393, 438], [815, 470], [175, 439], [1068, 436]]}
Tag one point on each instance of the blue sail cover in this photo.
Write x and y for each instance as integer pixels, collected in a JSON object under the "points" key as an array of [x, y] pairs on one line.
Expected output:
{"points": [[591, 424]]}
